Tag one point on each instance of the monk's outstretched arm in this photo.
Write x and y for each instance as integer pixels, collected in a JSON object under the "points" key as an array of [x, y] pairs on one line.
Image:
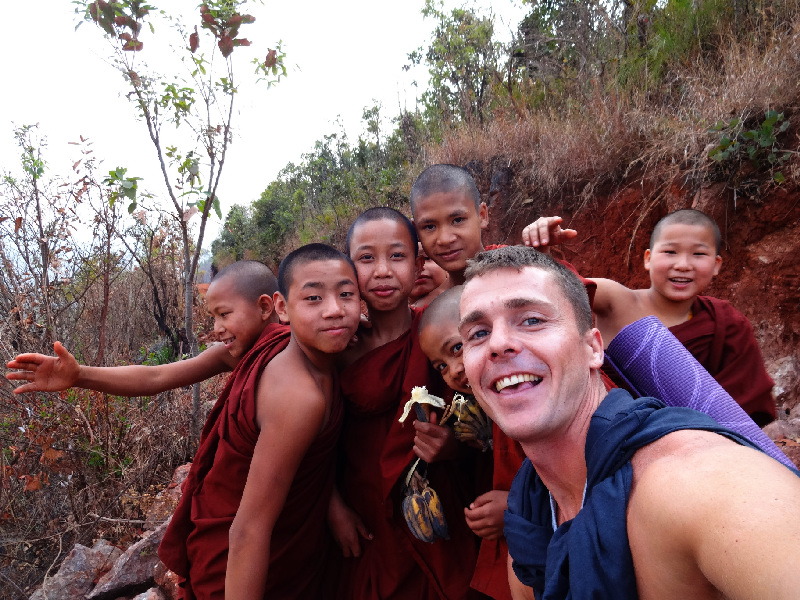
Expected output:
{"points": [[60, 372], [289, 418]]}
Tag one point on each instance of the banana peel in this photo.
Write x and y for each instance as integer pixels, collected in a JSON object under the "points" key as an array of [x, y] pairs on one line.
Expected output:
{"points": [[420, 395]]}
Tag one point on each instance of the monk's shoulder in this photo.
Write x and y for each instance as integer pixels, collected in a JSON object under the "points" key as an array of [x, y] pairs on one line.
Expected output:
{"points": [[288, 380]]}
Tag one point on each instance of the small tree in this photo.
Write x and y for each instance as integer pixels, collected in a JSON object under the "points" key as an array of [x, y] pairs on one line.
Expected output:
{"points": [[201, 101]]}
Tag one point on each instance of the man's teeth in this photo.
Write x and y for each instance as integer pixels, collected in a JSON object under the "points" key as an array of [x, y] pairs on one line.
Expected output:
{"points": [[514, 380]]}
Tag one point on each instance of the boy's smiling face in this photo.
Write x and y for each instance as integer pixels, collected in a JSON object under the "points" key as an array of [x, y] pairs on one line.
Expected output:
{"points": [[449, 228], [383, 253], [323, 307], [238, 322], [441, 343], [683, 261]]}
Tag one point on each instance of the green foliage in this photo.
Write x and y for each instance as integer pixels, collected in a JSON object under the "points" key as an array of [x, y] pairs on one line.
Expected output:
{"points": [[462, 61], [758, 145], [315, 199], [122, 187]]}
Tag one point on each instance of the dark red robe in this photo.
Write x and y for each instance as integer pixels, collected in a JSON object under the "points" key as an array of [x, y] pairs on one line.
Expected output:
{"points": [[377, 452], [721, 339], [491, 575], [195, 545]]}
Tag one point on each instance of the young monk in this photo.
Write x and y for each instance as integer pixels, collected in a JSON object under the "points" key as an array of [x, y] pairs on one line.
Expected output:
{"points": [[440, 340], [449, 217], [428, 283], [251, 521], [383, 367], [682, 260]]}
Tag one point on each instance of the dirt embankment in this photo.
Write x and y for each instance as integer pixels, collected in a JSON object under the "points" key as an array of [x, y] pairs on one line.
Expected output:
{"points": [[761, 253]]}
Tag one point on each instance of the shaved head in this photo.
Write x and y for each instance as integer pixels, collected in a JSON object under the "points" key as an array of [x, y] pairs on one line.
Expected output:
{"points": [[444, 179], [687, 216], [303, 255], [443, 308], [250, 279], [383, 213]]}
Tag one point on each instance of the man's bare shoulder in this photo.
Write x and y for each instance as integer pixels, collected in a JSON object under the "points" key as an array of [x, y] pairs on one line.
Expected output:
{"points": [[703, 510]]}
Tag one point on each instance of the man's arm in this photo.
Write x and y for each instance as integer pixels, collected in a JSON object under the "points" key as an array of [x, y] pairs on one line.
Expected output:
{"points": [[289, 418], [62, 371], [712, 516], [519, 591]]}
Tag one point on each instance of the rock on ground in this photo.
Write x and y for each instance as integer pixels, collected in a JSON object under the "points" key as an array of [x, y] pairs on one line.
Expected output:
{"points": [[78, 572], [133, 572]]}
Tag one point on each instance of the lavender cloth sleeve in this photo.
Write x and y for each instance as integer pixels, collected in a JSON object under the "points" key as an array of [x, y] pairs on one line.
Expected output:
{"points": [[656, 364]]}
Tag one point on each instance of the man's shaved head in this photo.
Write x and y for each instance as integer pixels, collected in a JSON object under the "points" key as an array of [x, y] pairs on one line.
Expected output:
{"points": [[687, 216], [443, 179], [304, 255], [519, 257], [250, 279], [443, 308]]}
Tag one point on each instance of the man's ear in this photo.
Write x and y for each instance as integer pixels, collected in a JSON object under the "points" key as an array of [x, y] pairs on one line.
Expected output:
{"points": [[483, 215], [595, 342], [280, 305], [267, 307], [647, 259]]}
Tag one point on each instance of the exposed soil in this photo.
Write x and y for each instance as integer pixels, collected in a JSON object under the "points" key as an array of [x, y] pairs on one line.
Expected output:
{"points": [[761, 243]]}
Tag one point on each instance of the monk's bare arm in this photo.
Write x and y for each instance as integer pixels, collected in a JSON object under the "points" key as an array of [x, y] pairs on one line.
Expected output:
{"points": [[291, 411], [62, 371], [721, 519]]}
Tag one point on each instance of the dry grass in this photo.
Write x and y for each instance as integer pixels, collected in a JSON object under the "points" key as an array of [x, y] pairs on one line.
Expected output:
{"points": [[571, 149]]}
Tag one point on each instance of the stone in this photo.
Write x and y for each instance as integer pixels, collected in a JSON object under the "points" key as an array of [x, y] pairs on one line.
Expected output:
{"points": [[78, 572], [167, 581], [167, 499], [133, 572], [151, 594], [785, 372]]}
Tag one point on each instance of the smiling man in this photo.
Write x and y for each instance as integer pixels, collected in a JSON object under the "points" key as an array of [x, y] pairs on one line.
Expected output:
{"points": [[620, 498]]}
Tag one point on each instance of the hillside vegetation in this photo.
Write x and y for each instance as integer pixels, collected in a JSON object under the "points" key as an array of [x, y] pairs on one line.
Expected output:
{"points": [[609, 113]]}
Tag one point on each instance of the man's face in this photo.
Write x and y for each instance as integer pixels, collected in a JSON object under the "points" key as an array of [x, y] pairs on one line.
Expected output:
{"points": [[383, 253], [238, 322], [323, 307], [525, 359], [449, 227]]}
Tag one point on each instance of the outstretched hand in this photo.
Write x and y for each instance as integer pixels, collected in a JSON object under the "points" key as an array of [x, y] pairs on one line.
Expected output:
{"points": [[545, 232], [485, 515], [435, 442], [45, 373]]}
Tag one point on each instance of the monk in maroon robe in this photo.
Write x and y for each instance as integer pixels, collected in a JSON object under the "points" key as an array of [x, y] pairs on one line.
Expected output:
{"points": [[195, 545], [721, 339], [378, 452]]}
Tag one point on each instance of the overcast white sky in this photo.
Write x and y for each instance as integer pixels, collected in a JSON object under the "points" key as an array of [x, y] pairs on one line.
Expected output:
{"points": [[341, 56]]}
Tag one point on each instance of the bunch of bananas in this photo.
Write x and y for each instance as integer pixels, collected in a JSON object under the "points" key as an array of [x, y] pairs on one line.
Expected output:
{"points": [[471, 425], [423, 510]]}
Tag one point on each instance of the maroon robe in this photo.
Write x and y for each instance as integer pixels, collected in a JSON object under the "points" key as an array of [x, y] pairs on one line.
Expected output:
{"points": [[721, 339], [195, 545], [378, 451], [491, 576]]}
